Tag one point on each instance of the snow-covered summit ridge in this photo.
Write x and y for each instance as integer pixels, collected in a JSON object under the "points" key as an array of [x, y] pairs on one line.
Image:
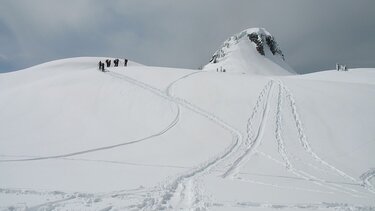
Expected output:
{"points": [[252, 51], [258, 36]]}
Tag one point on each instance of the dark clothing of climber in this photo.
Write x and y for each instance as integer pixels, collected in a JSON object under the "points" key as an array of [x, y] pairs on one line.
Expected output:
{"points": [[116, 61], [100, 65], [108, 62]]}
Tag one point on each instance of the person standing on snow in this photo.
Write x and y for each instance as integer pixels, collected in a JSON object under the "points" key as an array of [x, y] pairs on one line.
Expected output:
{"points": [[108, 62], [100, 65]]}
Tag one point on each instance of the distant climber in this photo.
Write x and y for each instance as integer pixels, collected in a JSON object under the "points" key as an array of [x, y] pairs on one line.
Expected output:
{"points": [[125, 62], [116, 61], [100, 65], [340, 67], [108, 62]]}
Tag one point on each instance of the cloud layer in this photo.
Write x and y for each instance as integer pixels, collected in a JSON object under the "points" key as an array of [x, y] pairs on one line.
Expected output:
{"points": [[314, 34]]}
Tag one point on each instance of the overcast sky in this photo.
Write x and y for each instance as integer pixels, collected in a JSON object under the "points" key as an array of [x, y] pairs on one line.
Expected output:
{"points": [[313, 34]]}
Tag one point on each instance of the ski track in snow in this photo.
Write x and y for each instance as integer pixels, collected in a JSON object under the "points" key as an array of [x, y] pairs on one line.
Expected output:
{"points": [[306, 145], [183, 182], [34, 158], [184, 192], [252, 143], [303, 138], [317, 181], [181, 189], [309, 206], [280, 186], [366, 177], [49, 205], [92, 201], [104, 161], [284, 155]]}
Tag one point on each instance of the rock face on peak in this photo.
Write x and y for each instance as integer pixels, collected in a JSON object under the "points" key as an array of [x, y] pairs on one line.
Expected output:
{"points": [[252, 51], [260, 39]]}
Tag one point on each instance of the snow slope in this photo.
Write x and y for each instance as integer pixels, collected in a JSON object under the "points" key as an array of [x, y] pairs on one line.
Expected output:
{"points": [[355, 75], [152, 138], [252, 51]]}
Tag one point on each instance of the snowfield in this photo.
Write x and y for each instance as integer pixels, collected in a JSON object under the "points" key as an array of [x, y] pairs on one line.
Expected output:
{"points": [[152, 138], [244, 133]]}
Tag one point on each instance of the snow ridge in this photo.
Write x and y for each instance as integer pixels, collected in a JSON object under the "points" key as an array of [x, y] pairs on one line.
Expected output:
{"points": [[260, 37], [252, 51]]}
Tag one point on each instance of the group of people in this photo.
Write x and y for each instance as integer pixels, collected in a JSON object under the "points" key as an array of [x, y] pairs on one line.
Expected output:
{"points": [[108, 63], [340, 67], [221, 70]]}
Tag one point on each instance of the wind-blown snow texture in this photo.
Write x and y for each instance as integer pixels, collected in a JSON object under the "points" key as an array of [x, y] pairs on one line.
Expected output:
{"points": [[153, 138]]}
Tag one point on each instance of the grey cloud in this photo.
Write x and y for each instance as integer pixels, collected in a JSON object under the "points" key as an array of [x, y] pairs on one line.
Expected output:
{"points": [[314, 34]]}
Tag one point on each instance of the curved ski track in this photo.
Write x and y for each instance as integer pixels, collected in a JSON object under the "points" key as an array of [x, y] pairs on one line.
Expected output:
{"points": [[170, 126], [181, 188]]}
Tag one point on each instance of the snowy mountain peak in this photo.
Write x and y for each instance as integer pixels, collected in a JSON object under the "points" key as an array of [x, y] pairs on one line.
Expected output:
{"points": [[252, 51], [263, 39]]}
